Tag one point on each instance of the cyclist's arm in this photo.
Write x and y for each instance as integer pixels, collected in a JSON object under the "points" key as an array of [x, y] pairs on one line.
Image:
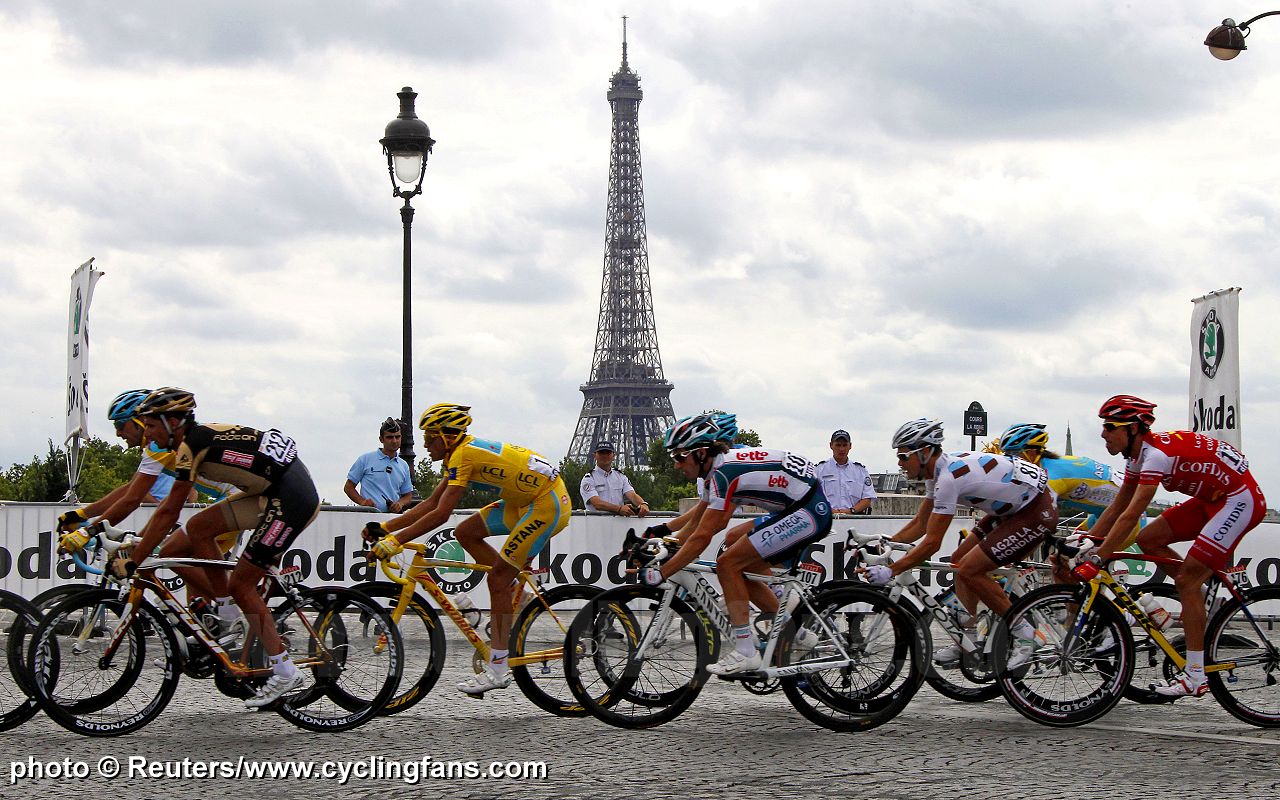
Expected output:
{"points": [[420, 510], [429, 520], [918, 526], [161, 522], [98, 507], [935, 529], [1135, 506], [134, 493], [712, 522]]}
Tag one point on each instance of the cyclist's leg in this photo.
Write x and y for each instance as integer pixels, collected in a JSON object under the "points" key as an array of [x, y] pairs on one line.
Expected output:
{"points": [[546, 516], [1235, 515], [205, 529], [1011, 539], [289, 511], [471, 532], [967, 598]]}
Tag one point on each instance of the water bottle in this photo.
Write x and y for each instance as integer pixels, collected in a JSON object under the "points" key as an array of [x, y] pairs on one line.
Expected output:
{"points": [[1157, 613], [950, 600]]}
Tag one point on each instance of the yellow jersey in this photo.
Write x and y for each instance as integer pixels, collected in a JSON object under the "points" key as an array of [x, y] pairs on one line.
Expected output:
{"points": [[519, 474]]}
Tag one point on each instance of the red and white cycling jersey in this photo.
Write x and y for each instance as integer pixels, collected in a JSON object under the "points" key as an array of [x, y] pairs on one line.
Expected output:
{"points": [[1189, 463]]}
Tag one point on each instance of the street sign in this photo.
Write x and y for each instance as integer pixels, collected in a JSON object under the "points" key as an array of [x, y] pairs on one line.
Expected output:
{"points": [[975, 420]]}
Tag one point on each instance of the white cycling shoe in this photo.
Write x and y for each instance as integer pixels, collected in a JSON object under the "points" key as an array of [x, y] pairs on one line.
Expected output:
{"points": [[735, 663], [277, 686], [1024, 650], [484, 681], [1180, 687]]}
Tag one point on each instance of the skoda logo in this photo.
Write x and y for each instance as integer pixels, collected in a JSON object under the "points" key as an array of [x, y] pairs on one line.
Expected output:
{"points": [[454, 580], [1212, 343]]}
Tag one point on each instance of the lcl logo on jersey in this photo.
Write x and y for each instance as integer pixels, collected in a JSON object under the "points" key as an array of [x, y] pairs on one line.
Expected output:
{"points": [[1213, 341]]}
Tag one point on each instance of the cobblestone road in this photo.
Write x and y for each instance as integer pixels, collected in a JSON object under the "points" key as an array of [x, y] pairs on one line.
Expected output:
{"points": [[729, 745]]}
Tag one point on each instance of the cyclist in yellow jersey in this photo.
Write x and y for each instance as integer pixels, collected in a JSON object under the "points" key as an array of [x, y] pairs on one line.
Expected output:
{"points": [[532, 506], [1081, 484]]}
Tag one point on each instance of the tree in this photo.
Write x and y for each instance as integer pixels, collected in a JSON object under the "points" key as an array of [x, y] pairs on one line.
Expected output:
{"points": [[104, 466], [572, 472]]}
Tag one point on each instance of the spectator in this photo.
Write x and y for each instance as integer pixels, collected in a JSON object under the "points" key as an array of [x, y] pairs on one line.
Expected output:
{"points": [[607, 490], [847, 484], [382, 475]]}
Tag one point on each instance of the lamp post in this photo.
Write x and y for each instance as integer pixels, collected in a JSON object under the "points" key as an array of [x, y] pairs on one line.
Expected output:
{"points": [[1227, 40], [406, 144]]}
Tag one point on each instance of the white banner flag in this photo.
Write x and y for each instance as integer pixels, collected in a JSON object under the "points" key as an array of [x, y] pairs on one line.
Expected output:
{"points": [[82, 283], [1215, 365]]}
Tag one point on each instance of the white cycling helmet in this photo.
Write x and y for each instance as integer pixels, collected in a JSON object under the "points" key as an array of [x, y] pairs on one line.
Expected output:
{"points": [[919, 433]]}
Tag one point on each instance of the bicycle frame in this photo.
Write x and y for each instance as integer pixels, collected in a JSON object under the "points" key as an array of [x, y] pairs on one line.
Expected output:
{"points": [[134, 594], [708, 603], [416, 575], [1123, 600]]}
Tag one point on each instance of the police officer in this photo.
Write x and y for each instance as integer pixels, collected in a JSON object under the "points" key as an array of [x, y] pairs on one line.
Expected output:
{"points": [[607, 490], [847, 484]]}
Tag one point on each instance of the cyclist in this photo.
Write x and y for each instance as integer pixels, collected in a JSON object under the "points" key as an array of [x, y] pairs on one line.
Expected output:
{"points": [[152, 482], [1225, 504], [277, 500], [685, 524], [1020, 513], [532, 506], [149, 484], [783, 483], [1082, 485]]}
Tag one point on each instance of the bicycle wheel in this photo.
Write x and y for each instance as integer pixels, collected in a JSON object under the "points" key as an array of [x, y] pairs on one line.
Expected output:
{"points": [[424, 644], [540, 630], [1245, 634], [1151, 666], [84, 692], [606, 671], [1077, 675], [877, 636], [19, 641], [18, 619], [353, 661], [970, 677]]}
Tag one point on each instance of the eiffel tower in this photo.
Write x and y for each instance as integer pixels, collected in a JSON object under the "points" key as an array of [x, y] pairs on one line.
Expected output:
{"points": [[627, 401]]}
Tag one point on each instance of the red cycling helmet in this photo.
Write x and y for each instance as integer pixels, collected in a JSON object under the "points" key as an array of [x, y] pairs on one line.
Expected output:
{"points": [[1127, 408]]}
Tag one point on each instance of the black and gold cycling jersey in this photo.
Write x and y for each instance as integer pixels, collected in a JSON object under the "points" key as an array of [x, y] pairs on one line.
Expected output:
{"points": [[250, 459]]}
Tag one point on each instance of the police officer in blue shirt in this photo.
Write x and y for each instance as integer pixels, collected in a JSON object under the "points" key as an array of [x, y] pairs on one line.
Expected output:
{"points": [[382, 475], [847, 484]]}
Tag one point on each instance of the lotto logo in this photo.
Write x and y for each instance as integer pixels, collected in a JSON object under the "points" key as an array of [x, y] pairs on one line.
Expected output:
{"points": [[750, 455], [778, 482]]}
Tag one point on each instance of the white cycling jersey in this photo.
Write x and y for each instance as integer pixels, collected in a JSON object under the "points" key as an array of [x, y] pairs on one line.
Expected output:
{"points": [[993, 484]]}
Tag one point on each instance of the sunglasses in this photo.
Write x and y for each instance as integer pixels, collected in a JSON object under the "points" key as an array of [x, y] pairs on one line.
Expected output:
{"points": [[1112, 426], [680, 455], [120, 426], [902, 457]]}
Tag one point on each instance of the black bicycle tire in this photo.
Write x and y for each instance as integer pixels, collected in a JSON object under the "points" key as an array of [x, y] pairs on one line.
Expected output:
{"points": [[1222, 688], [1060, 716], [68, 715], [293, 708], [604, 706], [407, 697], [26, 616], [530, 686], [873, 707]]}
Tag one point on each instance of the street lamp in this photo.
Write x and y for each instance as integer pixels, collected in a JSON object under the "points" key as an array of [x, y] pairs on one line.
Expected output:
{"points": [[1227, 40], [406, 144]]}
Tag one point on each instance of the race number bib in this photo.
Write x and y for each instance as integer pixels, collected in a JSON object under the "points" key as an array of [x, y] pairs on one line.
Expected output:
{"points": [[278, 447]]}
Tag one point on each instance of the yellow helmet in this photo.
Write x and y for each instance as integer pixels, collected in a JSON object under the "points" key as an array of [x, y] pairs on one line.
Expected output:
{"points": [[445, 418]]}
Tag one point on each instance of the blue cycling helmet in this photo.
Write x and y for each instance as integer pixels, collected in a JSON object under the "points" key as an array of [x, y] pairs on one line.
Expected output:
{"points": [[1021, 436], [125, 406], [699, 430], [728, 425]]}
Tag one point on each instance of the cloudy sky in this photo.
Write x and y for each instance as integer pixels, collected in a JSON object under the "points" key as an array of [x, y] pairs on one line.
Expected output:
{"points": [[855, 215]]}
